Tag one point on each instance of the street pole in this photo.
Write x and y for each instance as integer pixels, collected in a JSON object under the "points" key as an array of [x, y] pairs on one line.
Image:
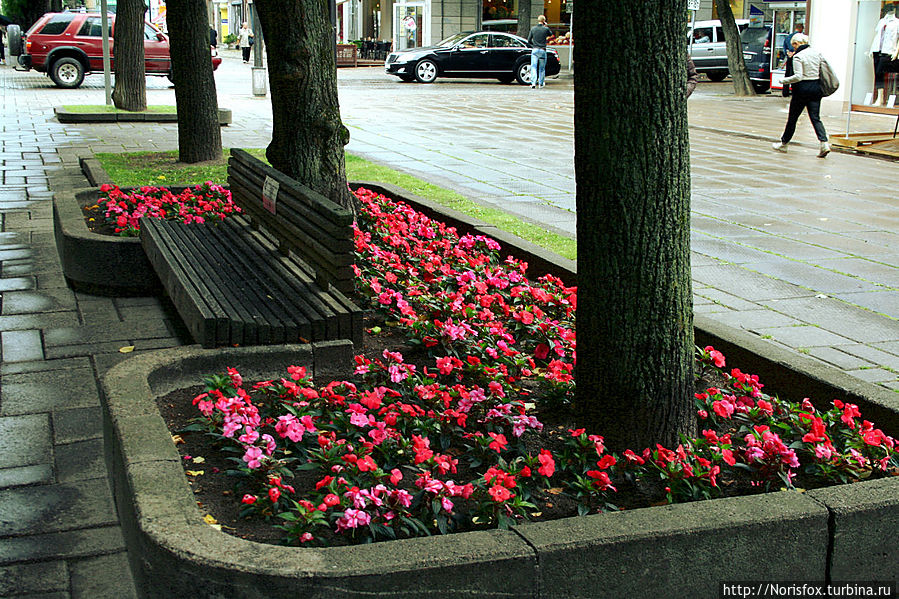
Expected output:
{"points": [[259, 75], [104, 27]]}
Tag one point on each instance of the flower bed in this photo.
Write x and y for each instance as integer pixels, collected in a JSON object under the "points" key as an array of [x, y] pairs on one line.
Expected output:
{"points": [[390, 449]]}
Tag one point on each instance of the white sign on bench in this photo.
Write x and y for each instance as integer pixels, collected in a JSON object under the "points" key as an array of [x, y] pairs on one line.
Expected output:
{"points": [[270, 194]]}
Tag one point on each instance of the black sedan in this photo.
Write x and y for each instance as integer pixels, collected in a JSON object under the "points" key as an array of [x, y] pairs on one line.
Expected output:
{"points": [[485, 54]]}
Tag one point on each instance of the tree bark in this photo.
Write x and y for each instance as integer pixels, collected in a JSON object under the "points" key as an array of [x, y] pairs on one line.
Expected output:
{"points": [[130, 92], [199, 134], [735, 63], [634, 371], [524, 18], [308, 136]]}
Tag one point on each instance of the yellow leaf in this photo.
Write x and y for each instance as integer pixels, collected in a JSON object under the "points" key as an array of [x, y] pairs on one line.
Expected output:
{"points": [[195, 472], [177, 440], [209, 519], [127, 349], [554, 491], [198, 460], [536, 514]]}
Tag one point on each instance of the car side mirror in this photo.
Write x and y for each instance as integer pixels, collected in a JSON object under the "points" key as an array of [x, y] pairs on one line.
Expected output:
{"points": [[160, 37]]}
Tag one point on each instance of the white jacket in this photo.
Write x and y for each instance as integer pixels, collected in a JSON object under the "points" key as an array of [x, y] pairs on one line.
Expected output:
{"points": [[877, 42], [806, 66], [891, 38]]}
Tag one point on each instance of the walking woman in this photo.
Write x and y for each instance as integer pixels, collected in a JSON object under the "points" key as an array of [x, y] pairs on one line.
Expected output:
{"points": [[245, 41], [806, 93]]}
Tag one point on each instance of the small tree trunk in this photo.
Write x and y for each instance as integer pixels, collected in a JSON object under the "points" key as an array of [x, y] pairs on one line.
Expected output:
{"points": [[130, 92], [634, 369], [524, 18], [199, 134], [308, 136], [735, 63]]}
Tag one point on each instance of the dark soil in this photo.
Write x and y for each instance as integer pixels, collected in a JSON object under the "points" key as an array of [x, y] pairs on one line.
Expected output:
{"points": [[96, 221]]}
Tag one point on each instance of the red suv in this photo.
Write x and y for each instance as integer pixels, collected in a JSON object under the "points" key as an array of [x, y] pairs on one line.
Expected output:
{"points": [[69, 45]]}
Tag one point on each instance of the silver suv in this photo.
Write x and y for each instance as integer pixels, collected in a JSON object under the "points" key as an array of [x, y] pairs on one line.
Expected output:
{"points": [[709, 50]]}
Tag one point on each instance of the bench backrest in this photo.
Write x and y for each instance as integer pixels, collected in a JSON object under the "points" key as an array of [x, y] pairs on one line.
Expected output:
{"points": [[316, 229]]}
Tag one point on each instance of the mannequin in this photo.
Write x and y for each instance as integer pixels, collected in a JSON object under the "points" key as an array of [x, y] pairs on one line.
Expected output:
{"points": [[882, 47]]}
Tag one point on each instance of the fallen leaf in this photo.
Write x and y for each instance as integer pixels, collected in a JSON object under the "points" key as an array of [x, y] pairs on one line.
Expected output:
{"points": [[536, 514], [554, 491], [127, 349], [209, 519], [195, 472], [198, 460], [177, 440]]}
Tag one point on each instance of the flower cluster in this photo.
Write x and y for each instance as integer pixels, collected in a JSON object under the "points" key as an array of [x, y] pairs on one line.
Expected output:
{"points": [[193, 205], [454, 443]]}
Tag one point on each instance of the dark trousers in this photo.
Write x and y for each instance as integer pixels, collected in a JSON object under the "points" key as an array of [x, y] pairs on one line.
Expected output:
{"points": [[246, 53], [800, 100]]}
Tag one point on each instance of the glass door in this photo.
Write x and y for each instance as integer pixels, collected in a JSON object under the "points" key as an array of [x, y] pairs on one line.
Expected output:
{"points": [[411, 25], [786, 22]]}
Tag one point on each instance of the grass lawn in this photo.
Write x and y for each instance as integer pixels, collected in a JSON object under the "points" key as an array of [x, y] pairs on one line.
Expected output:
{"points": [[163, 168], [89, 108]]}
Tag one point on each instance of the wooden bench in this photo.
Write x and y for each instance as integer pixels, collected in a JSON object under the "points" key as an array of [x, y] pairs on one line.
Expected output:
{"points": [[278, 273]]}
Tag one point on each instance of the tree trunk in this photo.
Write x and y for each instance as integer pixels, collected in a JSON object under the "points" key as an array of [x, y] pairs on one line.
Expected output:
{"points": [[308, 136], [735, 63], [634, 371], [130, 92], [524, 18], [199, 134]]}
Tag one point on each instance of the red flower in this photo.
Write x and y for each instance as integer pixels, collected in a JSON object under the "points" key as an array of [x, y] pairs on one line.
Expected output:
{"points": [[547, 463], [499, 493], [499, 442], [274, 493], [248, 499]]}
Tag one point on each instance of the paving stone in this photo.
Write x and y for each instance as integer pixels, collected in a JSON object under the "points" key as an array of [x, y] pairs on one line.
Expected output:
{"points": [[20, 322], [865, 269], [103, 576], [838, 358], [45, 300], [37, 392], [86, 349], [14, 254], [81, 460], [753, 320], [77, 424], [853, 323], [751, 286], [41, 577], [40, 474], [811, 277], [114, 331], [62, 545], [56, 508], [731, 301], [805, 336], [710, 308], [872, 354], [25, 440], [15, 284], [875, 375], [882, 302], [45, 366], [21, 346]]}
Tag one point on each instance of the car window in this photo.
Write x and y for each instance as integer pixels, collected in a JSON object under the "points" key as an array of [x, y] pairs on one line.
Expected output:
{"points": [[57, 24], [719, 34], [92, 27], [505, 41], [149, 33], [476, 41], [702, 35]]}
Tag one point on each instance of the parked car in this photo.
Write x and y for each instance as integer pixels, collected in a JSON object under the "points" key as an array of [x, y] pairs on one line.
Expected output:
{"points": [[505, 25], [69, 45], [709, 49], [482, 54], [757, 56]]}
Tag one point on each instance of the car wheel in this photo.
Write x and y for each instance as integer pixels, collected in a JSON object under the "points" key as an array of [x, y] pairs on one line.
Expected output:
{"points": [[426, 71], [14, 33], [523, 73], [717, 75], [67, 72]]}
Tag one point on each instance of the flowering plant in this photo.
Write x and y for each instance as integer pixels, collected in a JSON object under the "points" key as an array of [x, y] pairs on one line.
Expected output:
{"points": [[457, 441], [202, 202]]}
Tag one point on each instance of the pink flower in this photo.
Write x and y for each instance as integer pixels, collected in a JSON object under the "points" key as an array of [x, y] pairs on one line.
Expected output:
{"points": [[395, 476], [352, 518], [252, 457]]}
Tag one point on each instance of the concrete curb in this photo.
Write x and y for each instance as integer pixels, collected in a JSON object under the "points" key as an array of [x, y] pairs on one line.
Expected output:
{"points": [[99, 264], [66, 116], [677, 550]]}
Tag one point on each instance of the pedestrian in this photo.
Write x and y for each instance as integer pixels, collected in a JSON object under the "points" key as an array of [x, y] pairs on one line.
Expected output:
{"points": [[692, 76], [2, 50], [880, 53], [806, 94], [788, 42], [245, 41], [537, 41], [213, 37]]}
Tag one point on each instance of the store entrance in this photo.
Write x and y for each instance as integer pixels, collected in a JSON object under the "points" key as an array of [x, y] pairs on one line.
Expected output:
{"points": [[787, 19], [411, 25]]}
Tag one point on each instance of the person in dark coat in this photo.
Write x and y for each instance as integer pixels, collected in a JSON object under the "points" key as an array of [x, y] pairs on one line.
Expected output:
{"points": [[213, 37]]}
